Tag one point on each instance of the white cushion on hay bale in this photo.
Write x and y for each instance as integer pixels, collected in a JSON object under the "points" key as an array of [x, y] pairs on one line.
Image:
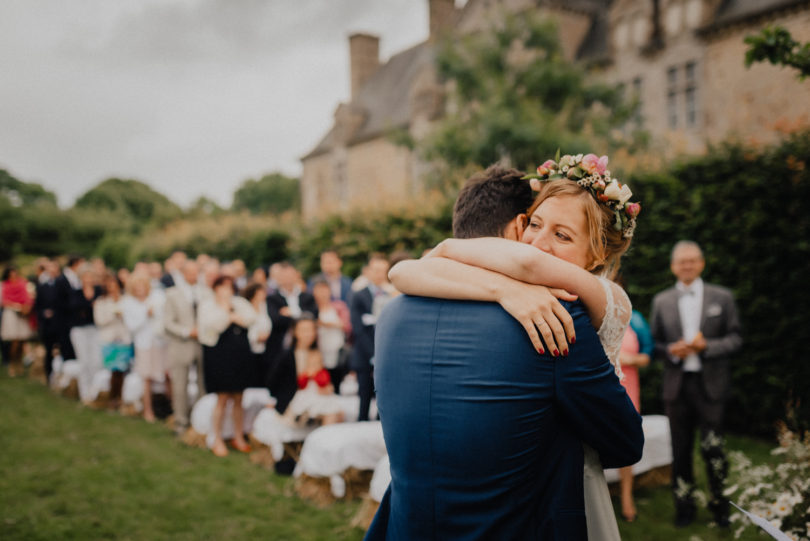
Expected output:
{"points": [[657, 447], [380, 480], [68, 371], [331, 450], [274, 431], [132, 391], [100, 383], [254, 400]]}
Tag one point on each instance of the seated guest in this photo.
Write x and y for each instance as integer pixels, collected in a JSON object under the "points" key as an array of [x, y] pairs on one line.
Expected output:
{"points": [[223, 323], [113, 336], [314, 401], [334, 331]]}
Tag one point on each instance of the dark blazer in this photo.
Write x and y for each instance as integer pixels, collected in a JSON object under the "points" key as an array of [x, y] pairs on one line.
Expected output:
{"points": [[363, 335], [485, 436], [281, 326], [46, 303], [720, 325]]}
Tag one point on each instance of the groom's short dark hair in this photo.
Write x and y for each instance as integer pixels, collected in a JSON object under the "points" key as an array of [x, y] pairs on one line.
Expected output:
{"points": [[488, 201]]}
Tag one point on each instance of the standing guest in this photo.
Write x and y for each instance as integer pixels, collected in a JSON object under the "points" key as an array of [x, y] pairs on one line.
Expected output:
{"points": [[696, 330], [142, 309], [259, 276], [284, 306], [334, 330], [45, 307], [68, 286], [637, 348], [113, 335], [340, 286], [259, 331], [155, 270], [173, 269], [227, 360], [123, 274], [184, 352], [239, 274], [15, 326], [83, 332], [364, 322]]}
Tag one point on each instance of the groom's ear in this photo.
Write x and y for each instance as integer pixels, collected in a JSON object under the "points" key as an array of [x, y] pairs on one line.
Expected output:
{"points": [[514, 229]]}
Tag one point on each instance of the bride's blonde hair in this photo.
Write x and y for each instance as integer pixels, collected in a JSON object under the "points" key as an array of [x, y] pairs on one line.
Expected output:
{"points": [[606, 244]]}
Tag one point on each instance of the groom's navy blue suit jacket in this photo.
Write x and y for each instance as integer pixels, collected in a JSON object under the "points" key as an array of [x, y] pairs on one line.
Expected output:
{"points": [[484, 434]]}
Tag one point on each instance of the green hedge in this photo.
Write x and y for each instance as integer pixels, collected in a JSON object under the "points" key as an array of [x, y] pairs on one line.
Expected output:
{"points": [[744, 206]]}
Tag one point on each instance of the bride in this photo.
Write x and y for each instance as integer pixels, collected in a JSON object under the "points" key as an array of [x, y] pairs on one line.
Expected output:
{"points": [[573, 238]]}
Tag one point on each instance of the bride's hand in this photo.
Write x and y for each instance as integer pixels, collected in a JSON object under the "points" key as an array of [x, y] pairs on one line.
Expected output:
{"points": [[541, 314]]}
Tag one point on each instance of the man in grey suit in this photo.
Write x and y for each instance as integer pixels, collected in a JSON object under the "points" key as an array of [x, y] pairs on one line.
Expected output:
{"points": [[696, 330], [184, 352]]}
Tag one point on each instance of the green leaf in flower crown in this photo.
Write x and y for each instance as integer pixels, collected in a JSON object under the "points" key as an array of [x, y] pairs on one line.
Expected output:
{"points": [[557, 156], [556, 176], [617, 225], [575, 172]]}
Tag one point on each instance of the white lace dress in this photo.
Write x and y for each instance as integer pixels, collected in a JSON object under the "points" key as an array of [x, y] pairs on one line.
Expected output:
{"points": [[599, 515]]}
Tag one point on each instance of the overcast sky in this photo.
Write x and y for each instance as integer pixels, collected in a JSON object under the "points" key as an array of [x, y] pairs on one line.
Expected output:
{"points": [[190, 96]]}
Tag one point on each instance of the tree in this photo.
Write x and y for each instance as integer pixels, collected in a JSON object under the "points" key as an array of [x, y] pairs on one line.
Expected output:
{"points": [[130, 200], [204, 206], [517, 99], [274, 193], [775, 45], [19, 193]]}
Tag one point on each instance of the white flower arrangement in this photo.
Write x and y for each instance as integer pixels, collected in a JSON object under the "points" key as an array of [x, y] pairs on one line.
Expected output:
{"points": [[779, 494]]}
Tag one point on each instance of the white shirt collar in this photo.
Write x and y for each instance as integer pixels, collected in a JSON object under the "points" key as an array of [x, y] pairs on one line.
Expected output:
{"points": [[695, 287]]}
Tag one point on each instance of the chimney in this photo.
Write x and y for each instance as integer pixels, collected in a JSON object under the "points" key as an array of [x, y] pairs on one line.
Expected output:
{"points": [[442, 15], [364, 52]]}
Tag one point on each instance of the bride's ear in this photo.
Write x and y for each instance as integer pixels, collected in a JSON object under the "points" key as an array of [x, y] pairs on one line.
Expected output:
{"points": [[521, 221]]}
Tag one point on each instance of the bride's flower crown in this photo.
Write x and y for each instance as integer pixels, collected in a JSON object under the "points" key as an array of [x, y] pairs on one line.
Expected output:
{"points": [[590, 172]]}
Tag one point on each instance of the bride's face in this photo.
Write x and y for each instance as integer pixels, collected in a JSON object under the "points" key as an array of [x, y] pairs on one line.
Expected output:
{"points": [[558, 227]]}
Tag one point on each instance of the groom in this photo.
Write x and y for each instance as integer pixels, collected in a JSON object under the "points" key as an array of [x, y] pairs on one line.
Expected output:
{"points": [[484, 434]]}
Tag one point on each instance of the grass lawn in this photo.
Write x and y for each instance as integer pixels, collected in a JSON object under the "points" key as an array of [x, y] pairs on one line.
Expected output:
{"points": [[69, 472]]}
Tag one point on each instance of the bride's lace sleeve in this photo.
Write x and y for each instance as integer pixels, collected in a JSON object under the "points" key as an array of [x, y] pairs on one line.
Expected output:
{"points": [[617, 316]]}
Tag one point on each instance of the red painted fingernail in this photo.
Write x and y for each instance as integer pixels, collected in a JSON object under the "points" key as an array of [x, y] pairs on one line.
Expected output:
{"points": [[540, 351], [573, 339], [565, 352], [556, 353]]}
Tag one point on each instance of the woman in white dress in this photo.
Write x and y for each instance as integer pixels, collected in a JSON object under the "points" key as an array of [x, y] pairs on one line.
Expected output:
{"points": [[334, 327], [142, 310], [579, 226], [114, 337]]}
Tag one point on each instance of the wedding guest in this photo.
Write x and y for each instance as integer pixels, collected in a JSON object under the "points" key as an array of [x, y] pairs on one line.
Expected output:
{"points": [[240, 279], [284, 306], [259, 276], [45, 307], [15, 325], [184, 351], [334, 330], [315, 399], [114, 336], [259, 331], [696, 330], [123, 274], [83, 332], [363, 324], [340, 286], [142, 315], [637, 348], [68, 286], [223, 322]]}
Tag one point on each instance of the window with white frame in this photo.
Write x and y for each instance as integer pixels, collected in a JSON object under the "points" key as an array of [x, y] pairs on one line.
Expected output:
{"points": [[682, 96]]}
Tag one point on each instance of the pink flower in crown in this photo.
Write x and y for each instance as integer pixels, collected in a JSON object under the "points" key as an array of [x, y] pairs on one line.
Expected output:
{"points": [[633, 209], [592, 164], [547, 166]]}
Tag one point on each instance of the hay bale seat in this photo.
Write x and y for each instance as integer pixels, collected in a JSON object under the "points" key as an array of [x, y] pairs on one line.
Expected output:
{"points": [[655, 467], [338, 461]]}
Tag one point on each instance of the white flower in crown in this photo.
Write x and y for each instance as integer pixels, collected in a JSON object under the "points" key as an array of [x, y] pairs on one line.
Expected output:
{"points": [[618, 192]]}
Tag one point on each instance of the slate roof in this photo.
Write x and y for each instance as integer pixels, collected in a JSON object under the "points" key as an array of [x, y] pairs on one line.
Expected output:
{"points": [[385, 96]]}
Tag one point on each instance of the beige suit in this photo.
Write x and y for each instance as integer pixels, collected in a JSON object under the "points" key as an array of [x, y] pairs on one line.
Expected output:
{"points": [[184, 352]]}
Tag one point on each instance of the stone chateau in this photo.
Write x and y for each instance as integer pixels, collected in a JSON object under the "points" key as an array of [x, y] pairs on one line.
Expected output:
{"points": [[683, 59]]}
